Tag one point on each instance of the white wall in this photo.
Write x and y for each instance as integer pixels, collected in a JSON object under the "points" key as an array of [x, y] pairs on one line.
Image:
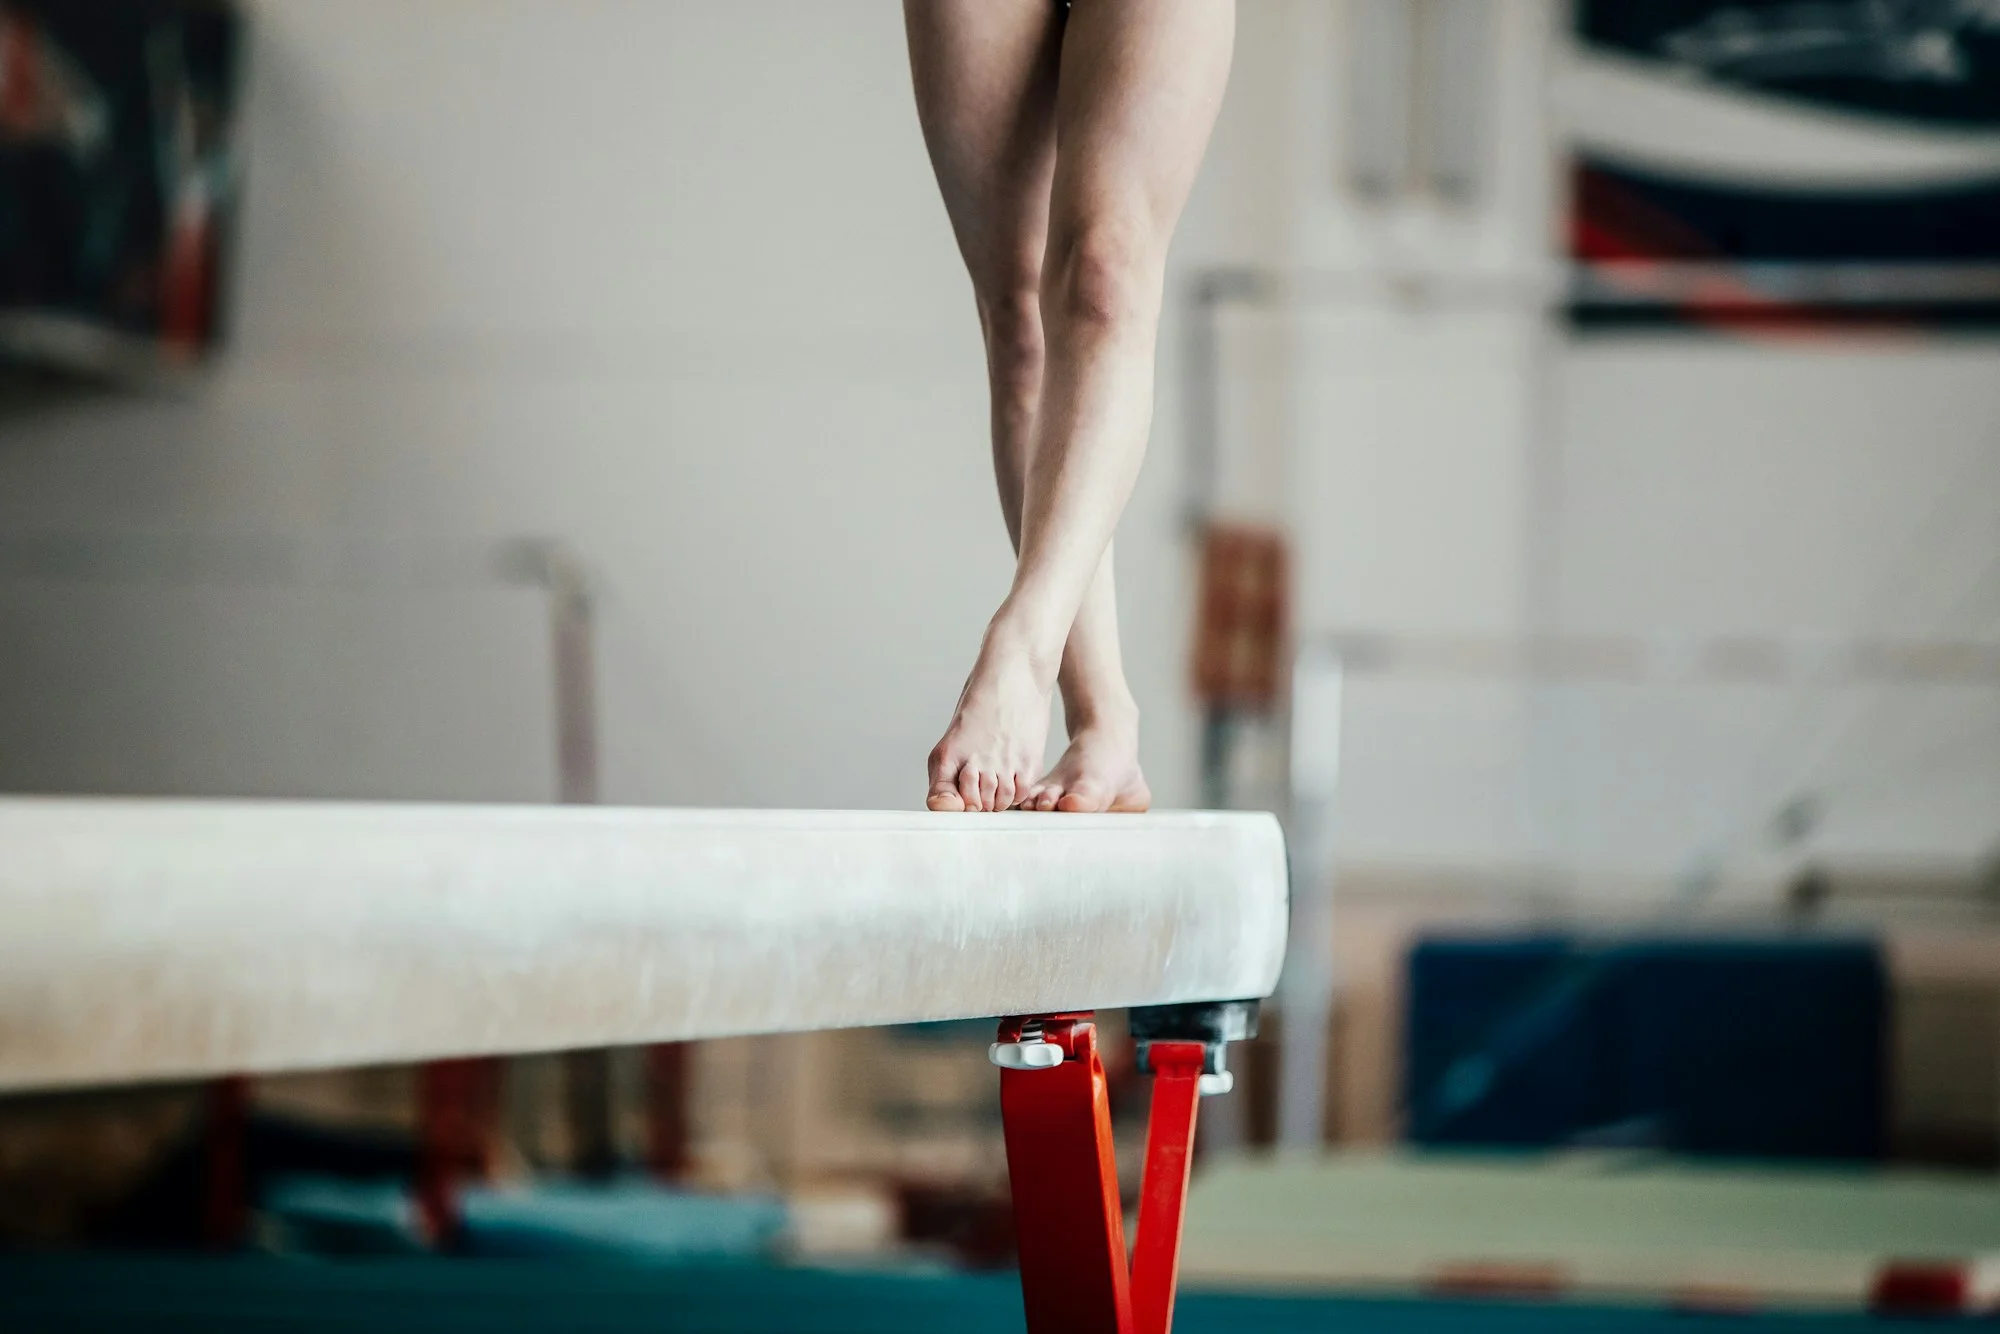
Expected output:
{"points": [[1472, 470], [1846, 489]]}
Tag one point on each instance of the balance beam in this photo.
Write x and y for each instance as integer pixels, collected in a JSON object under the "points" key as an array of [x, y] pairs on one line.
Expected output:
{"points": [[167, 939]]}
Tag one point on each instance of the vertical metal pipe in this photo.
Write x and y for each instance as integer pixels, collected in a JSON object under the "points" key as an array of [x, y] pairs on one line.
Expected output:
{"points": [[588, 1103], [1306, 991], [1202, 429], [1455, 67], [571, 616], [1382, 37]]}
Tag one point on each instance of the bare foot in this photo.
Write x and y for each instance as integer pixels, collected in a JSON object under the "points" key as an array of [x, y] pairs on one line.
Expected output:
{"points": [[992, 751], [1099, 772]]}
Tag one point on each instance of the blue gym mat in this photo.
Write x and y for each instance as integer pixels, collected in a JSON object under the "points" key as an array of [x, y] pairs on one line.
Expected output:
{"points": [[85, 1294]]}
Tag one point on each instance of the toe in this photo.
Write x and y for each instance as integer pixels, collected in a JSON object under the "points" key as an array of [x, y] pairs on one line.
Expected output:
{"points": [[1026, 785], [1048, 798], [1082, 799], [989, 789], [1003, 793], [1136, 800], [944, 769], [968, 787]]}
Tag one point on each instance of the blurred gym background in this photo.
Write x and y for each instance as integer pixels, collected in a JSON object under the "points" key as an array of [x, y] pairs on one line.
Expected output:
{"points": [[1573, 504]]}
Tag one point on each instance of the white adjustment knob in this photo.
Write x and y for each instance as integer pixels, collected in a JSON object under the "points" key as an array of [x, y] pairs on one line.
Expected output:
{"points": [[1035, 1055], [1220, 1082]]}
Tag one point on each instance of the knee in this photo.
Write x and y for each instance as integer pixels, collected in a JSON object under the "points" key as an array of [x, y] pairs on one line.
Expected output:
{"points": [[1103, 274], [1011, 312]]}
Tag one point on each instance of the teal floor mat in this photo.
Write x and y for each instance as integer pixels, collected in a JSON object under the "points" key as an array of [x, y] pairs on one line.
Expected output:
{"points": [[85, 1295]]}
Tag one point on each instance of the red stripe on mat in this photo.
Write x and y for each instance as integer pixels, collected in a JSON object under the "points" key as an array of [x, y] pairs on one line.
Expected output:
{"points": [[1498, 1278]]}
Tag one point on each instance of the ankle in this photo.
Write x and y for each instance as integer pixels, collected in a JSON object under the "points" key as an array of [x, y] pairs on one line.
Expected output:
{"points": [[1107, 710], [1012, 635]]}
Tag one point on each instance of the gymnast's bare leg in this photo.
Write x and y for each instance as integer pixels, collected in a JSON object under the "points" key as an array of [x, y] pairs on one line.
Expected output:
{"points": [[1065, 149]]}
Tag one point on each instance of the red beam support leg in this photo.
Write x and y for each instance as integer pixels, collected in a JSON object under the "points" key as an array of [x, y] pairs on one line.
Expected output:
{"points": [[1068, 1222], [226, 1203], [458, 1106], [1156, 1251], [668, 1152], [1067, 1217]]}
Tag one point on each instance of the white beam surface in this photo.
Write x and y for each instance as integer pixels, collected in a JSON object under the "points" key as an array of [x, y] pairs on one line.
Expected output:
{"points": [[154, 939]]}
